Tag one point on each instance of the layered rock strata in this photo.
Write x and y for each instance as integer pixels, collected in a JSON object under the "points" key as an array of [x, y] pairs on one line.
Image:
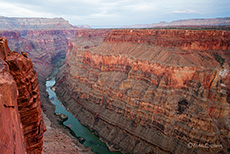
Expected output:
{"points": [[28, 98], [45, 48], [151, 91], [42, 46], [11, 136]]}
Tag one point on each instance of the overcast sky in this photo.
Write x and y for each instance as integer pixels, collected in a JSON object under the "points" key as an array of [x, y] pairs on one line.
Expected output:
{"points": [[116, 12]]}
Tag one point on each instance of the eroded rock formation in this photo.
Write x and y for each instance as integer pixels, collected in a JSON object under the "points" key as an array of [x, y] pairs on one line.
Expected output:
{"points": [[11, 136], [20, 97], [151, 91]]}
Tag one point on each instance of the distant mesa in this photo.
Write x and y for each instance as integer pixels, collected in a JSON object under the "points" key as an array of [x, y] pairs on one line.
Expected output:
{"points": [[186, 23], [15, 23]]}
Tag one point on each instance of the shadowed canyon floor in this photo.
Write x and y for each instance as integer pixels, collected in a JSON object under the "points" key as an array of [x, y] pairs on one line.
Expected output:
{"points": [[150, 91]]}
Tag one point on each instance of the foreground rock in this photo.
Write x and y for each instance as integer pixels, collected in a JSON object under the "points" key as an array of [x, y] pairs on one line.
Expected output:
{"points": [[151, 91], [11, 136], [22, 97]]}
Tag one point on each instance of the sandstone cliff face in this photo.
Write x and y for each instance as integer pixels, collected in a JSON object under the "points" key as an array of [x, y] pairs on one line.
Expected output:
{"points": [[183, 39], [11, 136], [150, 91], [28, 99]]}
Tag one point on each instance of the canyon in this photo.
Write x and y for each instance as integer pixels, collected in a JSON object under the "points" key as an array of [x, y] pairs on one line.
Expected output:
{"points": [[43, 39], [139, 90], [42, 46], [150, 90], [45, 44]]}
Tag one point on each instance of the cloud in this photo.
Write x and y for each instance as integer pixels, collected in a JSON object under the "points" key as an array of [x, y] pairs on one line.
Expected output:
{"points": [[15, 10], [115, 12], [185, 11], [141, 7]]}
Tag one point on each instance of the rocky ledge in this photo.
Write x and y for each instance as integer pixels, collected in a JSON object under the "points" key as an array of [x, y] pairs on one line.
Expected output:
{"points": [[21, 99], [151, 91]]}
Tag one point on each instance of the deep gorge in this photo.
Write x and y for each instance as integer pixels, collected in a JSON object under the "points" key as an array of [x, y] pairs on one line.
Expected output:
{"points": [[139, 90]]}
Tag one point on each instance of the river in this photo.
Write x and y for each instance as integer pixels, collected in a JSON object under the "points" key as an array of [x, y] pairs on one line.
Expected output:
{"points": [[91, 140]]}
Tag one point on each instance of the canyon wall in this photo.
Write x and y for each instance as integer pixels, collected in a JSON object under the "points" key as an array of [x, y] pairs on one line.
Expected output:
{"points": [[45, 42], [43, 39], [21, 100], [11, 136], [151, 91], [42, 46]]}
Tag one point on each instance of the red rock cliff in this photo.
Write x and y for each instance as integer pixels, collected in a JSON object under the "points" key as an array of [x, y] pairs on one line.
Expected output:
{"points": [[200, 40], [151, 91], [28, 99], [42, 46], [11, 136]]}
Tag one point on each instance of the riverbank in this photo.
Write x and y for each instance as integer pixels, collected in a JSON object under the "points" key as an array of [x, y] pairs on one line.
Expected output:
{"points": [[87, 138], [57, 138]]}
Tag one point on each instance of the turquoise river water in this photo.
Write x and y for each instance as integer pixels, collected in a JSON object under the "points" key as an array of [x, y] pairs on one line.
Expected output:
{"points": [[91, 140]]}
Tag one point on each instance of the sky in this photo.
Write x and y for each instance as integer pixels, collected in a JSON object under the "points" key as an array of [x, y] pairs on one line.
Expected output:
{"points": [[113, 13]]}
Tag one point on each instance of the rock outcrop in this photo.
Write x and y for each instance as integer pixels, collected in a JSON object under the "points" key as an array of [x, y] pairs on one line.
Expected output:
{"points": [[22, 97], [151, 91], [11, 136]]}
